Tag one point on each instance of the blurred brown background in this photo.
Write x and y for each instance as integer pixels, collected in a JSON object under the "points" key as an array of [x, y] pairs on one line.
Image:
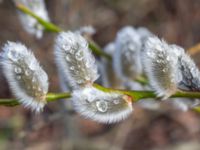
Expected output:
{"points": [[177, 21]]}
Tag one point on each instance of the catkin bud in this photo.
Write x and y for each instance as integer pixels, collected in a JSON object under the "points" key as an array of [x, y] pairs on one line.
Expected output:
{"points": [[100, 106], [160, 63], [127, 62], [74, 58], [28, 81], [30, 24], [190, 74]]}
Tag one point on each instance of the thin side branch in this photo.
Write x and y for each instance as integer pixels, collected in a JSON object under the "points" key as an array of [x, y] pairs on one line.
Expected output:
{"points": [[194, 50], [136, 96], [53, 28]]}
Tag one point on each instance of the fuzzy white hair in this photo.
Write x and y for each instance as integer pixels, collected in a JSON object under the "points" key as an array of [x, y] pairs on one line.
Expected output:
{"points": [[75, 59], [101, 106], [160, 62], [28, 81]]}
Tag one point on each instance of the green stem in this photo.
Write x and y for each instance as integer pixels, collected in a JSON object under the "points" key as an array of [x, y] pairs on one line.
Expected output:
{"points": [[138, 95], [50, 98], [135, 95], [53, 28], [9, 102], [56, 96], [97, 50]]}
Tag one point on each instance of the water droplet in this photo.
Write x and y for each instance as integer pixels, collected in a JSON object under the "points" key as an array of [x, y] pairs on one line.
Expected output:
{"points": [[66, 47], [68, 58], [150, 54], [168, 59], [131, 47], [87, 64], [79, 55], [87, 77], [102, 106], [70, 39], [33, 65], [159, 48], [192, 69], [27, 72], [161, 55], [79, 81], [164, 70], [158, 61], [18, 70], [33, 79], [71, 68], [116, 101], [71, 51]]}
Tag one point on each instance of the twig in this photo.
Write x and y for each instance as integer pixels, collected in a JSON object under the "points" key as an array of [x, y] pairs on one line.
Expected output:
{"points": [[135, 95], [194, 50], [53, 28], [50, 98]]}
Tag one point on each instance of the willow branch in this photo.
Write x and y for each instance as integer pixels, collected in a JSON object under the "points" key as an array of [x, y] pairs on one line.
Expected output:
{"points": [[50, 98], [138, 95], [135, 95]]}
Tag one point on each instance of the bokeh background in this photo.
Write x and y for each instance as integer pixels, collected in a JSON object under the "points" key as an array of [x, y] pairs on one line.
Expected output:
{"points": [[177, 21]]}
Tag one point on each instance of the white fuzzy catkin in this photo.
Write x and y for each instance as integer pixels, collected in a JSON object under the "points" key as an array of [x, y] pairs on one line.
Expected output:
{"points": [[127, 62], [75, 59], [100, 106], [160, 62], [190, 74], [28, 81], [30, 24]]}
